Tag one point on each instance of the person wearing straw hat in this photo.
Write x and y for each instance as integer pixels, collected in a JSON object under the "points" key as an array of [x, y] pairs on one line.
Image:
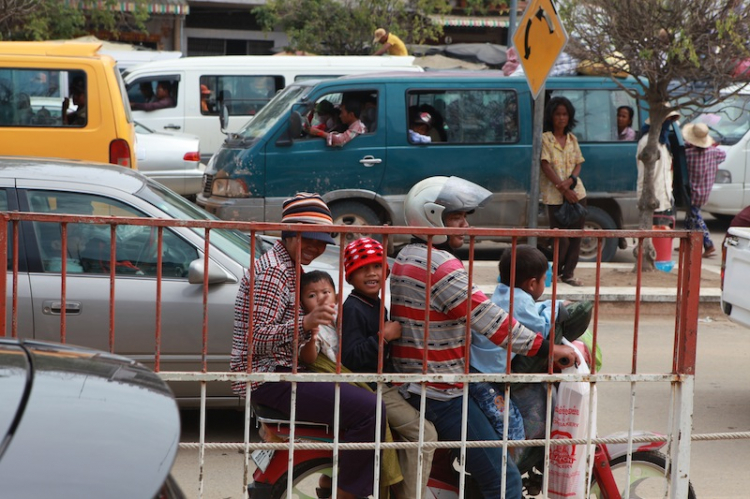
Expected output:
{"points": [[277, 318], [391, 43], [703, 159]]}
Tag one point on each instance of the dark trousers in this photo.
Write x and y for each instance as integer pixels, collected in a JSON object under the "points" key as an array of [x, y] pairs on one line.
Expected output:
{"points": [[356, 418], [484, 464], [570, 247]]}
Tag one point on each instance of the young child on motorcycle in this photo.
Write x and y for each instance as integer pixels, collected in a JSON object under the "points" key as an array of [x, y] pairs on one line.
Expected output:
{"points": [[363, 264], [317, 288], [486, 357], [527, 404]]}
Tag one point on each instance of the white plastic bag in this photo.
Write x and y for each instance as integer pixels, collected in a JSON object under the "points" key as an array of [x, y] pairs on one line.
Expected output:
{"points": [[567, 469]]}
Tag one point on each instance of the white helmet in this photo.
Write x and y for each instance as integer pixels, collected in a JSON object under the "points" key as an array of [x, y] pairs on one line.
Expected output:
{"points": [[433, 197]]}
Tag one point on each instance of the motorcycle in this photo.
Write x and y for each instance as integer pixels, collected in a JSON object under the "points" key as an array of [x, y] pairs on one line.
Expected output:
{"points": [[649, 473]]}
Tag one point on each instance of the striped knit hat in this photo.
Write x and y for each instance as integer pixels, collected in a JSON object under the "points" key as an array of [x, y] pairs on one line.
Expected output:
{"points": [[361, 252], [306, 208]]}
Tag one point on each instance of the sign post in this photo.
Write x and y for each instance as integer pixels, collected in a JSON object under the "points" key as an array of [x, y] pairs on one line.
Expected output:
{"points": [[539, 39]]}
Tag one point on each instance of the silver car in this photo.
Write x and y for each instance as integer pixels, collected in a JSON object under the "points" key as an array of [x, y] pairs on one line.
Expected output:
{"points": [[170, 158], [59, 186]]}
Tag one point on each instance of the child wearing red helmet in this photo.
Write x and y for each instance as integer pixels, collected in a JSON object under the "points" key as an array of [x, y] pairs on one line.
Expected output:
{"points": [[366, 270]]}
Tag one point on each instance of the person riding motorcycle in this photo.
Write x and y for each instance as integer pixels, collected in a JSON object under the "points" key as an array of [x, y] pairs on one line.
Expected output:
{"points": [[445, 202]]}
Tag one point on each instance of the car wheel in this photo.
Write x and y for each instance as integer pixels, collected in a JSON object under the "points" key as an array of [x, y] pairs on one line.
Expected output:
{"points": [[354, 213], [598, 219]]}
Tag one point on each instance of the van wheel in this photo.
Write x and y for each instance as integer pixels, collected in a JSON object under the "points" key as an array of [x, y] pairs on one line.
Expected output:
{"points": [[354, 213], [598, 219]]}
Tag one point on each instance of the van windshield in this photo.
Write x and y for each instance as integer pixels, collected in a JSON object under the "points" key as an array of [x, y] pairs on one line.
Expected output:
{"points": [[727, 121], [276, 109]]}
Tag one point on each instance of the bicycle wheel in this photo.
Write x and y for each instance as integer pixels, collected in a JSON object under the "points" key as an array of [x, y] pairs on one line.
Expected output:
{"points": [[306, 482], [649, 476]]}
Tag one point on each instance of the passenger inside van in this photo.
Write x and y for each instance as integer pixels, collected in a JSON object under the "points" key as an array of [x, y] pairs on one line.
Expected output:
{"points": [[164, 98], [350, 111], [78, 95]]}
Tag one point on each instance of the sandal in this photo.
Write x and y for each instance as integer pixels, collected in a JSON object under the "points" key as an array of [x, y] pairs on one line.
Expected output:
{"points": [[709, 252], [572, 281]]}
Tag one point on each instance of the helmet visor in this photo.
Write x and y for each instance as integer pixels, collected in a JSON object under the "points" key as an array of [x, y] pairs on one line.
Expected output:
{"points": [[459, 195]]}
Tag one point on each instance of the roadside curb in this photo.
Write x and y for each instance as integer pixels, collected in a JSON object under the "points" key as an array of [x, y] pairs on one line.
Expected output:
{"points": [[618, 294]]}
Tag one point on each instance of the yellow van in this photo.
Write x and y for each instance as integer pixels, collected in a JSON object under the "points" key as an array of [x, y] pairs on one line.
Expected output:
{"points": [[64, 100]]}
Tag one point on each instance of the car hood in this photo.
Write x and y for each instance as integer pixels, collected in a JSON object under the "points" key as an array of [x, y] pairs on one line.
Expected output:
{"points": [[82, 423]]}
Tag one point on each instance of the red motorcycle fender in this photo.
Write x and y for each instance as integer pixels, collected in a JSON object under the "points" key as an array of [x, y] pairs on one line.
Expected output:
{"points": [[279, 464]]}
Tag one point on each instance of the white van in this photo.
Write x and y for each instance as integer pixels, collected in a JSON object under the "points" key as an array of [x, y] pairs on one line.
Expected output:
{"points": [[244, 83], [729, 125]]}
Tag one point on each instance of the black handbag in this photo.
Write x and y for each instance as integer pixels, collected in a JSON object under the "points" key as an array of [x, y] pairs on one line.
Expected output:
{"points": [[569, 214]]}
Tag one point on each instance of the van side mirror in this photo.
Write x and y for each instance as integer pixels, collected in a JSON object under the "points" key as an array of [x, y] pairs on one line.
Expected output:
{"points": [[294, 130], [223, 117]]}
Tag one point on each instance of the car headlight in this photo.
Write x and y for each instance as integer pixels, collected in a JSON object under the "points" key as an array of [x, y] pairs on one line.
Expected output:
{"points": [[229, 188], [723, 177]]}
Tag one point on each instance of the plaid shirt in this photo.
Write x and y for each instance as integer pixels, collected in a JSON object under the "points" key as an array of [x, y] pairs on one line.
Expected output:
{"points": [[339, 139], [274, 310], [702, 165]]}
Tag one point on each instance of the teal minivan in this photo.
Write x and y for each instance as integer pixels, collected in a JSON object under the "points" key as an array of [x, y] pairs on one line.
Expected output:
{"points": [[481, 131]]}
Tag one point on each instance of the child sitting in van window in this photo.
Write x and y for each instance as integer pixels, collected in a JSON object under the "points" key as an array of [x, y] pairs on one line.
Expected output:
{"points": [[419, 128], [349, 116]]}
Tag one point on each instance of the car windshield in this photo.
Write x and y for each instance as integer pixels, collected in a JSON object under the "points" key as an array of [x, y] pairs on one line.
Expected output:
{"points": [[277, 108], [728, 121], [233, 243]]}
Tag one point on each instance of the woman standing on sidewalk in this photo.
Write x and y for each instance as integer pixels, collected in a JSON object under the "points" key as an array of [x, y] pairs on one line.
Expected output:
{"points": [[561, 166]]}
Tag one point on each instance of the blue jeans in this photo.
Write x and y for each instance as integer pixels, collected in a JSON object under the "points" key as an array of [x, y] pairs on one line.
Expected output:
{"points": [[491, 399], [484, 464]]}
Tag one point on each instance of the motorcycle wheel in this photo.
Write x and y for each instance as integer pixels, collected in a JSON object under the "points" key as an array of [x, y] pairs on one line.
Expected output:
{"points": [[306, 480], [649, 476]]}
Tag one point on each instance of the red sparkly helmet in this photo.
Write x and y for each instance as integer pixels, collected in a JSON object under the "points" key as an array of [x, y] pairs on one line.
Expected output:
{"points": [[362, 252]]}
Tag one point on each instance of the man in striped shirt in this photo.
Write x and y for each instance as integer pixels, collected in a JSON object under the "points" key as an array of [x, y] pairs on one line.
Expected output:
{"points": [[446, 202]]}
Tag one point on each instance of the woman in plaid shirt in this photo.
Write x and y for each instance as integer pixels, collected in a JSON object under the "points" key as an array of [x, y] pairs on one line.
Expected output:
{"points": [[275, 308], [703, 159]]}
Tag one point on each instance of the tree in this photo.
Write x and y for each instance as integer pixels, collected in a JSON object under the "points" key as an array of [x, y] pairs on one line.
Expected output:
{"points": [[683, 52], [57, 19], [345, 27]]}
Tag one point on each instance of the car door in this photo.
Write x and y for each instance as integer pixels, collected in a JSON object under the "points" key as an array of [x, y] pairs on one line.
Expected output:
{"points": [[168, 119], [87, 306], [308, 164], [19, 311]]}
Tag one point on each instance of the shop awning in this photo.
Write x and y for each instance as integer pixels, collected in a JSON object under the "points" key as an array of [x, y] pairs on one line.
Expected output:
{"points": [[177, 7], [471, 21]]}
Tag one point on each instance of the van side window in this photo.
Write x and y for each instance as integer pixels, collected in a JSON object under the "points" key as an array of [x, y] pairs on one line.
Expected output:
{"points": [[42, 97], [243, 95], [152, 94], [468, 116], [596, 112]]}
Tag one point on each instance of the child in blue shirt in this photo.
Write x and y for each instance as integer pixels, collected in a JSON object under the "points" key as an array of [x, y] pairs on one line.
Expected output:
{"points": [[486, 357]]}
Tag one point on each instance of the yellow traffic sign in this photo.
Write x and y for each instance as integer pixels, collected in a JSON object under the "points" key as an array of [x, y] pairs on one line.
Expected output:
{"points": [[539, 39]]}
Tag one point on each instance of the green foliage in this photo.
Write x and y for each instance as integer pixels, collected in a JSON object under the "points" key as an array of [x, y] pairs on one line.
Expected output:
{"points": [[346, 27], [35, 20], [483, 6]]}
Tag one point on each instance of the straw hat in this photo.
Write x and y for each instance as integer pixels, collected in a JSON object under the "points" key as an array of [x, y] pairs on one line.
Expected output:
{"points": [[697, 134], [379, 33]]}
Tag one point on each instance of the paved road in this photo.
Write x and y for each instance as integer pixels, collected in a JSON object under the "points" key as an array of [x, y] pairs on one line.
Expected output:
{"points": [[722, 404]]}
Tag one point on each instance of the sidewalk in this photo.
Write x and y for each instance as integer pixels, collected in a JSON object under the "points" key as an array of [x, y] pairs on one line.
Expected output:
{"points": [[485, 275]]}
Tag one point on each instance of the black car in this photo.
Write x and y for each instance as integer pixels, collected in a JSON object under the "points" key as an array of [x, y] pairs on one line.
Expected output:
{"points": [[80, 423]]}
